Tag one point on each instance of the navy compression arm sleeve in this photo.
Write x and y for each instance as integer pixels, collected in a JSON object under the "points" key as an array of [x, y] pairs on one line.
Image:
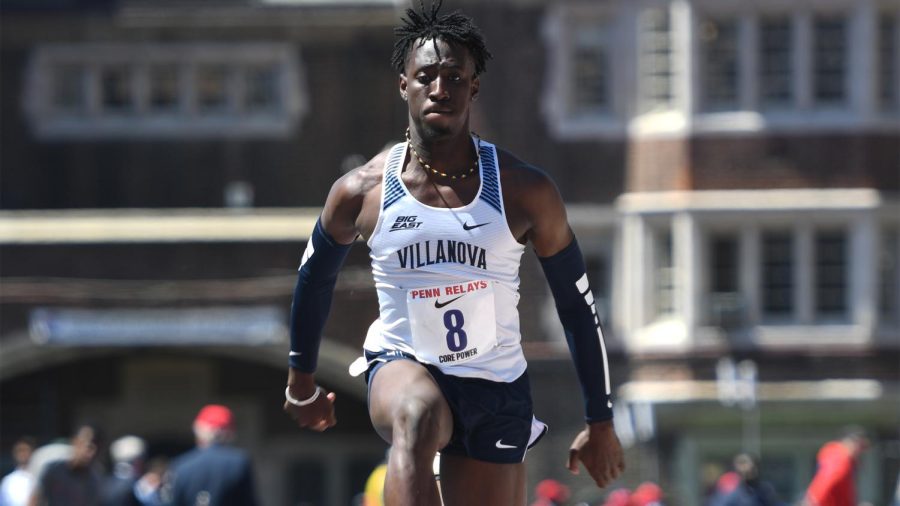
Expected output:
{"points": [[312, 296], [568, 281]]}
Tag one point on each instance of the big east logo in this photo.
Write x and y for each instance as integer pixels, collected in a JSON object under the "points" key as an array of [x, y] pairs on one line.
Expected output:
{"points": [[405, 223]]}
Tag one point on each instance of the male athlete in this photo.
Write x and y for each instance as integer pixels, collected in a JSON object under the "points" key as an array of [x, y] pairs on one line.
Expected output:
{"points": [[446, 216]]}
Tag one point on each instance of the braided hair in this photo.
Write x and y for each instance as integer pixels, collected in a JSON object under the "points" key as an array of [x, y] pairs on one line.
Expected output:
{"points": [[454, 28]]}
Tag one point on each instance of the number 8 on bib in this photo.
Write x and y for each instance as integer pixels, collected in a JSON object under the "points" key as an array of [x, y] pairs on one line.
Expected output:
{"points": [[454, 323]]}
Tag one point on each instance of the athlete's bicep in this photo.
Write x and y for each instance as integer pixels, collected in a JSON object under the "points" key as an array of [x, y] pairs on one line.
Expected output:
{"points": [[341, 210], [549, 232]]}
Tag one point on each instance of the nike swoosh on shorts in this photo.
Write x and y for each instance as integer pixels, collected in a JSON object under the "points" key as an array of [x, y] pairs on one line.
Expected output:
{"points": [[499, 444]]}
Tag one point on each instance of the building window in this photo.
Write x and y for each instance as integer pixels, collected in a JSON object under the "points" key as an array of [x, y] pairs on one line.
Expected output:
{"points": [[889, 277], [90, 91], [212, 88], [725, 304], [164, 88], [724, 259], [590, 71], [887, 60], [719, 48], [579, 95], [262, 90], [777, 274], [831, 273], [655, 70], [116, 89], [775, 54], [69, 94], [829, 59], [664, 274]]}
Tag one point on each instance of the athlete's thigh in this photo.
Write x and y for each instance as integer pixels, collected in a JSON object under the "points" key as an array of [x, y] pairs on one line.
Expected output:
{"points": [[466, 481], [402, 382]]}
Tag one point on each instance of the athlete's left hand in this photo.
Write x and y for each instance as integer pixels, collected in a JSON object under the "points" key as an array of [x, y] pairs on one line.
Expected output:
{"points": [[598, 448]]}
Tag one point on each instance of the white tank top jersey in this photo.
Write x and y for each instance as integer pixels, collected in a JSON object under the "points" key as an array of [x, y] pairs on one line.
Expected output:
{"points": [[448, 279]]}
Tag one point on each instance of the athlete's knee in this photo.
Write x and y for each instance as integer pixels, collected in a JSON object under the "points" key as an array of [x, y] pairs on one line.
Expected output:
{"points": [[417, 423]]}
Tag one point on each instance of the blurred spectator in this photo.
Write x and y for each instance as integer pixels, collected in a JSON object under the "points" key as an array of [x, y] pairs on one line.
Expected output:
{"points": [[833, 484], [45, 455], [213, 473], [723, 486], [728, 482], [74, 481], [127, 454], [748, 489], [148, 487], [374, 492], [646, 494], [15, 489], [618, 497], [550, 493]]}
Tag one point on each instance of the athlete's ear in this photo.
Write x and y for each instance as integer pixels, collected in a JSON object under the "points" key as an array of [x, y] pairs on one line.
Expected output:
{"points": [[476, 83], [403, 86]]}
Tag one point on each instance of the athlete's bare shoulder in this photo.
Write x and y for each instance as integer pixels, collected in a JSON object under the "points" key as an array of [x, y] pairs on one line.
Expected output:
{"points": [[518, 176], [352, 205], [534, 207], [362, 180], [526, 187]]}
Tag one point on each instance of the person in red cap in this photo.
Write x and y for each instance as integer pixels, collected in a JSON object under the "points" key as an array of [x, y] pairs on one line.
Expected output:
{"points": [[215, 417], [647, 494], [214, 473], [550, 493], [618, 497]]}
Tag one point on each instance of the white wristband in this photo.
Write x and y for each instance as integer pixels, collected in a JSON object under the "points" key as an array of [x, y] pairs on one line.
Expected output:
{"points": [[305, 402]]}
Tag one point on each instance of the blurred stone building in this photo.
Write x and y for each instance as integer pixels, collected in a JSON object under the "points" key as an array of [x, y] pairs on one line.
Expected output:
{"points": [[732, 170]]}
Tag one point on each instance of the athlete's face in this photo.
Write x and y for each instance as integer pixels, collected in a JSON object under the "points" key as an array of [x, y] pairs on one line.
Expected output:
{"points": [[439, 85]]}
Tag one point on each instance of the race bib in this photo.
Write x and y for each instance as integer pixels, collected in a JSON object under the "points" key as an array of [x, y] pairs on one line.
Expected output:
{"points": [[452, 324]]}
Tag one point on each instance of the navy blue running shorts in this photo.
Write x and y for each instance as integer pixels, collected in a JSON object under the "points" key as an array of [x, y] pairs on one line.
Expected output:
{"points": [[492, 421]]}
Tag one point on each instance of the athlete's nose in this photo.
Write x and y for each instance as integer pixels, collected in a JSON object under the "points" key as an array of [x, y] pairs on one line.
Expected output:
{"points": [[439, 90]]}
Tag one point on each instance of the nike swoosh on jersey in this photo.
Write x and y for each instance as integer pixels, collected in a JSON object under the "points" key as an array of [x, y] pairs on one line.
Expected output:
{"points": [[466, 225], [438, 304], [502, 446]]}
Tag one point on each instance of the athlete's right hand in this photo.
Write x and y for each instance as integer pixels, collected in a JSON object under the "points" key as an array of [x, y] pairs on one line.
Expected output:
{"points": [[317, 416]]}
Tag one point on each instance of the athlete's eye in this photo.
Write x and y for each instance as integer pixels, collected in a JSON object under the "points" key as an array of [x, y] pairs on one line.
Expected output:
{"points": [[423, 78]]}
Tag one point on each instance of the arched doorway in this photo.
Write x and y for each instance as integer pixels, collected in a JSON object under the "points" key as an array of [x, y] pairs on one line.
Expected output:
{"points": [[155, 393]]}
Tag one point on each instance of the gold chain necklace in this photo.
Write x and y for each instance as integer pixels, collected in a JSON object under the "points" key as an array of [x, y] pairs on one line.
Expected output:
{"points": [[437, 172]]}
